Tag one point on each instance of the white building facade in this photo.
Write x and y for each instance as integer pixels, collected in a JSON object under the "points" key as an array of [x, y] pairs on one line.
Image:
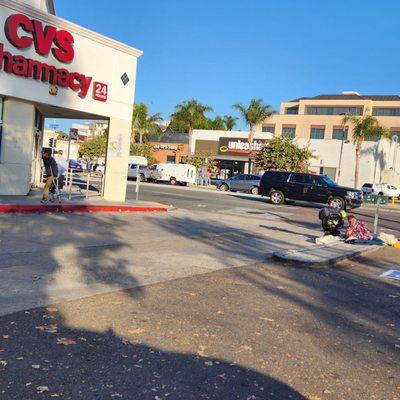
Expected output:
{"points": [[47, 69]]}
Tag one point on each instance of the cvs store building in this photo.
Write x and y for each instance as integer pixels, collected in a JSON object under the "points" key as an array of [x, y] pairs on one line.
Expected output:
{"points": [[52, 68]]}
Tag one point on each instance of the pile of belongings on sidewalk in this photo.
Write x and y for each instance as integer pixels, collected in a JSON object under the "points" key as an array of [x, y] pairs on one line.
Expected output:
{"points": [[333, 222]]}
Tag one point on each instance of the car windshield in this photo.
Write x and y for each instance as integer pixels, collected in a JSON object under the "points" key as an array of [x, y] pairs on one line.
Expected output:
{"points": [[329, 181]]}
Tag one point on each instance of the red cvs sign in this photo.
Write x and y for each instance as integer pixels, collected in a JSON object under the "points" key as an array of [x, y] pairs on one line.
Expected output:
{"points": [[23, 33], [47, 38]]}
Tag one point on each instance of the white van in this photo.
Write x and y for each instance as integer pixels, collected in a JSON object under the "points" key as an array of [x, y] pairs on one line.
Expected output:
{"points": [[174, 173]]}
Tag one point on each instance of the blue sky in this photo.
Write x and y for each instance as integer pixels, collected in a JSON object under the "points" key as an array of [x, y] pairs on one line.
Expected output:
{"points": [[222, 52]]}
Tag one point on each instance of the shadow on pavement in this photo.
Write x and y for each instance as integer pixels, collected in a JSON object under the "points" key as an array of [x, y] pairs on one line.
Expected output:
{"points": [[97, 366], [347, 299], [53, 253]]}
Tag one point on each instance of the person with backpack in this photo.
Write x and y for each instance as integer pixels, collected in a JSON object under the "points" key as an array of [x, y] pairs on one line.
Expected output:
{"points": [[332, 220]]}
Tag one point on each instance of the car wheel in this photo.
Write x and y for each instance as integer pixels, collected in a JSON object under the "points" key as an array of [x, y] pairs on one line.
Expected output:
{"points": [[337, 203], [142, 178], [173, 181], [224, 187], [277, 197], [254, 190]]}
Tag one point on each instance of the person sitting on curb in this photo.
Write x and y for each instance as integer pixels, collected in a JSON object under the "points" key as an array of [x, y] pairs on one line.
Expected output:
{"points": [[332, 220], [50, 173], [357, 230]]}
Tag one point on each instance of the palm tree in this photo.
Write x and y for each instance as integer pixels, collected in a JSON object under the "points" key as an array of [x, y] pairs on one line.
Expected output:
{"points": [[230, 122], [365, 127], [190, 113], [142, 123], [254, 114]]}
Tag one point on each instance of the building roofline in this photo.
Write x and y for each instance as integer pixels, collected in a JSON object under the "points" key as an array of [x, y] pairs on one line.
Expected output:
{"points": [[378, 97], [79, 30]]}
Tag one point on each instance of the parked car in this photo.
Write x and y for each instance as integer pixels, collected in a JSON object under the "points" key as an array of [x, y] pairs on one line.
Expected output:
{"points": [[144, 172], [280, 186], [74, 166], [173, 173], [240, 183], [381, 189]]}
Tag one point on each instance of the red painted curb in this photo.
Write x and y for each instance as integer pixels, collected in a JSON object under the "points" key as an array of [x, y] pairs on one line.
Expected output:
{"points": [[42, 208]]}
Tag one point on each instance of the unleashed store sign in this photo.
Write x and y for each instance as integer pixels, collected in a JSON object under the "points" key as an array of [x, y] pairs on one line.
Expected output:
{"points": [[23, 33], [238, 146]]}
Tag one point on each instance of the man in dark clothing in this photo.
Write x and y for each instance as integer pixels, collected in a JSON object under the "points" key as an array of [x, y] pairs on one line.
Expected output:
{"points": [[51, 173]]}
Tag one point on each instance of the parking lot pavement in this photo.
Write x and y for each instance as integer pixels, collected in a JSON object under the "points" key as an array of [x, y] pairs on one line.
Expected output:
{"points": [[249, 333]]}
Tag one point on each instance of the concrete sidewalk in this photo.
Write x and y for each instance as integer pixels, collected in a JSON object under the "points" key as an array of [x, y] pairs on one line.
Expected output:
{"points": [[324, 255]]}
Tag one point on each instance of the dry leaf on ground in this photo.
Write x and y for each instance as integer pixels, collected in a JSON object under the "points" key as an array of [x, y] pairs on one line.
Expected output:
{"points": [[36, 366], [42, 389], [66, 341], [52, 328], [35, 278], [3, 362], [312, 397], [51, 309], [200, 351], [267, 319], [245, 347], [136, 331]]}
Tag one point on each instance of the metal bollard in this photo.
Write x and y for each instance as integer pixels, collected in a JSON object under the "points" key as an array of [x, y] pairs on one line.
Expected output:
{"points": [[87, 185]]}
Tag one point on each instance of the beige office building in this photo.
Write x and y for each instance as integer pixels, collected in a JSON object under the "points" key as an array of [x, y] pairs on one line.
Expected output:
{"points": [[316, 122], [320, 117]]}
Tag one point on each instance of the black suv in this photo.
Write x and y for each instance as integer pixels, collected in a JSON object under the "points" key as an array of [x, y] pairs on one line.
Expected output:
{"points": [[280, 185]]}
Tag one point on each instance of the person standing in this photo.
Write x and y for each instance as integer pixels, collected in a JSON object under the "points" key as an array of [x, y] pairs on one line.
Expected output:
{"points": [[207, 178], [50, 173], [62, 166]]}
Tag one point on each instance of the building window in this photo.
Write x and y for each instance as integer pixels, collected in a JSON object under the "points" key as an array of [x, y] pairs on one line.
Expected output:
{"points": [[334, 110], [171, 159], [339, 134], [292, 110], [289, 132], [269, 129], [386, 112], [317, 133]]}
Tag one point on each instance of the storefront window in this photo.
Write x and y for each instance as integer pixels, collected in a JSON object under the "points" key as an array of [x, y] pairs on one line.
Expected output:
{"points": [[171, 159], [227, 168]]}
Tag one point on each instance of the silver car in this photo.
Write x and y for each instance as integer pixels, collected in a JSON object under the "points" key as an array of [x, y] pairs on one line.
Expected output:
{"points": [[240, 183], [144, 173]]}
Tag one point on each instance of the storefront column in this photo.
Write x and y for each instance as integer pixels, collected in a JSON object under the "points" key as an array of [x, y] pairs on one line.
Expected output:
{"points": [[116, 173], [16, 147]]}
